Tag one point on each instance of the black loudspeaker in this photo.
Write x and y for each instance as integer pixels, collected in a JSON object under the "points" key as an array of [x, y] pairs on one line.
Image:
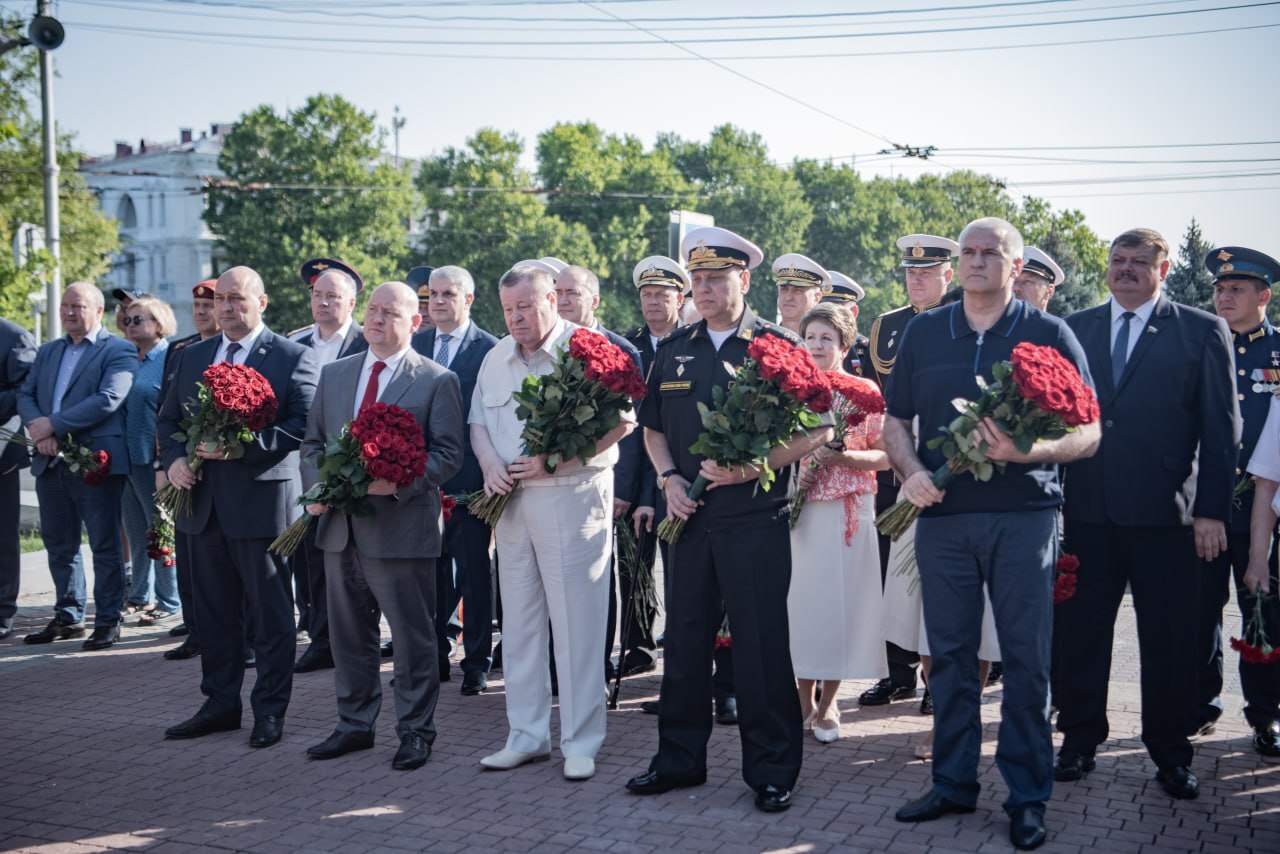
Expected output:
{"points": [[46, 33]]}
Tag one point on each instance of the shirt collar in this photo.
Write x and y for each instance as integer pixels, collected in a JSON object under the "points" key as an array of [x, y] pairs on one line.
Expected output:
{"points": [[392, 362], [157, 351], [339, 335], [551, 343], [246, 343], [1261, 330], [1003, 326], [746, 325], [1143, 312], [91, 338], [457, 334]]}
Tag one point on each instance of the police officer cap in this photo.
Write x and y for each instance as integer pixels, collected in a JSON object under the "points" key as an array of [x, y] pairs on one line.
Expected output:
{"points": [[714, 248], [926, 250], [1236, 262], [317, 267], [844, 290], [204, 290], [554, 263], [660, 270], [797, 270], [539, 264], [1036, 260], [418, 278], [127, 295]]}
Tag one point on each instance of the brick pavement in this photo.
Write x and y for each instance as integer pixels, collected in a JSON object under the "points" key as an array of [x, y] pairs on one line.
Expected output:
{"points": [[86, 769]]}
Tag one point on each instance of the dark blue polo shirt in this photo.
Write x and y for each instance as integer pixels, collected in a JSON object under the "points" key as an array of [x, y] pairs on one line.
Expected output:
{"points": [[937, 362], [1257, 356]]}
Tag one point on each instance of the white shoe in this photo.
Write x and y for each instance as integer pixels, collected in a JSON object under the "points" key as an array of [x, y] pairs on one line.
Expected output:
{"points": [[505, 760], [579, 767], [826, 731]]}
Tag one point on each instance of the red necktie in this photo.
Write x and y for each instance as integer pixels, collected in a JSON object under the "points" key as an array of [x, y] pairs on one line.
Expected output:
{"points": [[371, 390]]}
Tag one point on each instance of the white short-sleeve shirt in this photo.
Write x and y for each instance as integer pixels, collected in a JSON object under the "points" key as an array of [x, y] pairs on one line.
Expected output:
{"points": [[1265, 461]]}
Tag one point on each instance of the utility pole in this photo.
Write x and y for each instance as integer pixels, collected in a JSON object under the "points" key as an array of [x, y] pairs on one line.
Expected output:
{"points": [[396, 124], [52, 234]]}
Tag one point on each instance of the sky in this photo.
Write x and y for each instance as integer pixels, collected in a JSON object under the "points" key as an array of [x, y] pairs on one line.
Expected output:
{"points": [[1135, 113]]}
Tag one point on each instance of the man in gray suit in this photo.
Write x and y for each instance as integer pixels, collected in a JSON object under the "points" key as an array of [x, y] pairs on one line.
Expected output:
{"points": [[19, 350], [238, 506], [385, 562], [77, 388]]}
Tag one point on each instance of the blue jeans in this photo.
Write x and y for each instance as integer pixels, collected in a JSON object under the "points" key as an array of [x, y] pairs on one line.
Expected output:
{"points": [[66, 503], [139, 508], [1013, 554]]}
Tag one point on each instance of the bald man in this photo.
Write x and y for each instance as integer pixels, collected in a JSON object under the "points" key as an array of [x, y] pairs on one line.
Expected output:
{"points": [[238, 507], [76, 388]]}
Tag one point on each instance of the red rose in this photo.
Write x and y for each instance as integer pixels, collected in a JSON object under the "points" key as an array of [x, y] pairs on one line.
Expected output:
{"points": [[1068, 563], [370, 450]]}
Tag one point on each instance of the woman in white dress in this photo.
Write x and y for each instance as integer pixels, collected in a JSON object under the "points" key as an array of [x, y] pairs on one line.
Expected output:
{"points": [[834, 602]]}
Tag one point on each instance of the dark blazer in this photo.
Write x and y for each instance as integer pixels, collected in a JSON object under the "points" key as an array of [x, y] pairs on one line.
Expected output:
{"points": [[353, 342], [627, 472], [93, 406], [647, 492], [1169, 430], [254, 496], [465, 362], [409, 525], [19, 352]]}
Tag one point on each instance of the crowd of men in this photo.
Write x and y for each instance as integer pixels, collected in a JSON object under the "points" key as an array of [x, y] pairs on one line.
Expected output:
{"points": [[1158, 500]]}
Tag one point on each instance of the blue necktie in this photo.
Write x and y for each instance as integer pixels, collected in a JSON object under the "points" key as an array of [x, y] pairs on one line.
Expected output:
{"points": [[443, 357], [1120, 352]]}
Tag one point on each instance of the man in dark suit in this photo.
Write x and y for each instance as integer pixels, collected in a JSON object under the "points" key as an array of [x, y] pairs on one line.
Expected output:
{"points": [[205, 319], [238, 506], [577, 298], [334, 287], [19, 350], [383, 563], [77, 387], [1156, 495], [462, 572]]}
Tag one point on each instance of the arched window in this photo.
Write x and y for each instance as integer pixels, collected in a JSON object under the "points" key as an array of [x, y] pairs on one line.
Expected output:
{"points": [[127, 213]]}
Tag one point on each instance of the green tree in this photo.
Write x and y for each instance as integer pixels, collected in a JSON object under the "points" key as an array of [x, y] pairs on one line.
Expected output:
{"points": [[484, 213], [1080, 253], [1189, 281], [88, 235], [312, 182]]}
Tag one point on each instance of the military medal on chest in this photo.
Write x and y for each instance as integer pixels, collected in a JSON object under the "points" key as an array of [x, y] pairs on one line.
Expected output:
{"points": [[1266, 379], [680, 367]]}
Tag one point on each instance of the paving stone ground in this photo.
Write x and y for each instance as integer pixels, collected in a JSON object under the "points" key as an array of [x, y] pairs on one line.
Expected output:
{"points": [[85, 768]]}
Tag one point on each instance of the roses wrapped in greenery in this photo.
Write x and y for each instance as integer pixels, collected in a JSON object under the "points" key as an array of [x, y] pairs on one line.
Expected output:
{"points": [[1037, 394], [567, 411], [94, 467], [778, 390], [384, 442]]}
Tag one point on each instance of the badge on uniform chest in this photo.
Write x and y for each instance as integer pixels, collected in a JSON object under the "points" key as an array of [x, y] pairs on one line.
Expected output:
{"points": [[1266, 379], [680, 367]]}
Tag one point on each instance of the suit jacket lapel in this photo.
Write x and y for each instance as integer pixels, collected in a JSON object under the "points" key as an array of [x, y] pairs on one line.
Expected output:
{"points": [[353, 332], [1146, 338], [1097, 348], [342, 405], [403, 378], [260, 349]]}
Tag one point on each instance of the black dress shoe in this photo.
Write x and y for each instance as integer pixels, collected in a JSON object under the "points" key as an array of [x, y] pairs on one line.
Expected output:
{"points": [[926, 703], [651, 707], [995, 674], [929, 807], [653, 783], [885, 692], [266, 731], [183, 651], [387, 650], [773, 798], [56, 630], [202, 723], [413, 752], [179, 631], [102, 638], [727, 711], [314, 659], [340, 744], [445, 671], [474, 682], [637, 661], [1266, 739], [1072, 765], [1026, 829], [1179, 782]]}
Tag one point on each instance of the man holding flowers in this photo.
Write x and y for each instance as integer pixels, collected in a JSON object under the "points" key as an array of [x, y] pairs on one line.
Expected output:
{"points": [[384, 562], [735, 547], [553, 537], [995, 527], [237, 506]]}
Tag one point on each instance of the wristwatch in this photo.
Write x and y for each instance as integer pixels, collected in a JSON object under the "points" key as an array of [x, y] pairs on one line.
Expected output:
{"points": [[662, 478]]}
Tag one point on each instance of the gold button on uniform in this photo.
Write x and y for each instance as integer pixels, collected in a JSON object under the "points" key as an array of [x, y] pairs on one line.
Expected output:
{"points": [[1241, 373], [1240, 350], [1241, 396]]}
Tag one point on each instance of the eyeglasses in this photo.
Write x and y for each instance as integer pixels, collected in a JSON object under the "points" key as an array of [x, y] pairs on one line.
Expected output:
{"points": [[135, 320]]}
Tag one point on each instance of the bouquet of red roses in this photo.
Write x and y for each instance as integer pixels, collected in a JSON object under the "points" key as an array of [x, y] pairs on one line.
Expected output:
{"points": [[1064, 579], [93, 466], [1255, 647], [232, 403], [778, 390], [1036, 394], [160, 537], [853, 400], [384, 442], [569, 410]]}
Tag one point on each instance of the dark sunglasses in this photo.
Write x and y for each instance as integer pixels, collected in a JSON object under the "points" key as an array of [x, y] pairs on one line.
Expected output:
{"points": [[136, 320]]}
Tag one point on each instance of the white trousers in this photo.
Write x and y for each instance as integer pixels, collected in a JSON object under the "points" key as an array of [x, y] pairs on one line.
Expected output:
{"points": [[554, 541]]}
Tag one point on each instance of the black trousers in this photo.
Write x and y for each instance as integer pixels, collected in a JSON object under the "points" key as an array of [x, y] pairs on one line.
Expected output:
{"points": [[10, 550], [902, 662], [227, 574], [307, 567], [186, 593], [1260, 683], [722, 657], [462, 573], [744, 569], [1160, 567]]}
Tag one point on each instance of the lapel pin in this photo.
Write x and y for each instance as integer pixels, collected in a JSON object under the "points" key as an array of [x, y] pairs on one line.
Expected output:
{"points": [[1152, 330], [262, 351]]}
